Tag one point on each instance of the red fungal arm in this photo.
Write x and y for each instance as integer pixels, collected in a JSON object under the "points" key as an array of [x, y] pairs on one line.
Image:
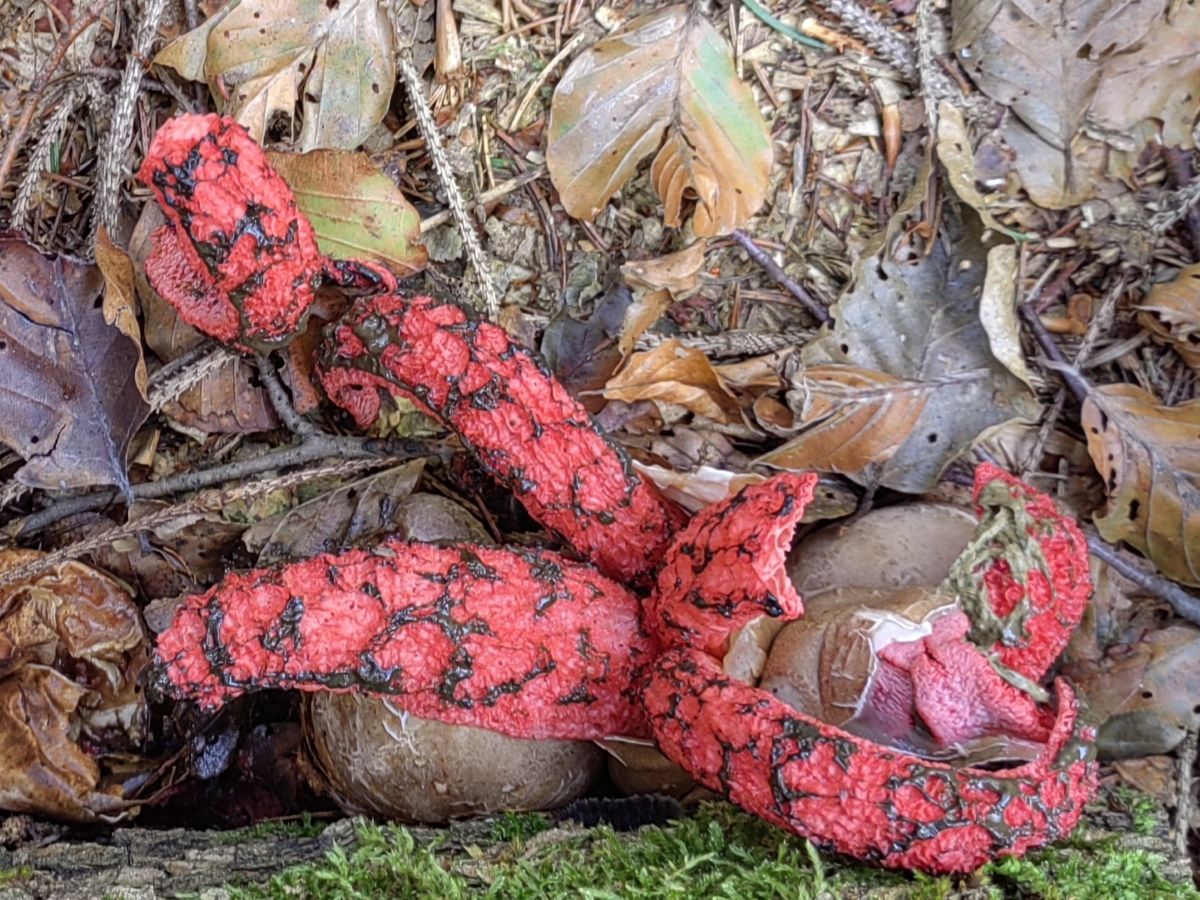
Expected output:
{"points": [[525, 643], [729, 566], [856, 797], [236, 239], [512, 414], [1034, 600]]}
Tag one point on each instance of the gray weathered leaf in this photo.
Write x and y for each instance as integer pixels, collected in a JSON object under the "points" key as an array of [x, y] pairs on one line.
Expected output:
{"points": [[919, 321]]}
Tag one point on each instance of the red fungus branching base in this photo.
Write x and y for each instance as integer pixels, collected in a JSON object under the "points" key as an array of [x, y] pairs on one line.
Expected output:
{"points": [[518, 420], [533, 645], [525, 643], [837, 789], [729, 566], [238, 261]]}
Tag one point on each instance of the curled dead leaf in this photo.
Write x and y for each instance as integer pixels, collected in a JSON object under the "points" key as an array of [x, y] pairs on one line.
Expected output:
{"points": [[1171, 312], [678, 272], [72, 655], [666, 83], [261, 57], [673, 373]]}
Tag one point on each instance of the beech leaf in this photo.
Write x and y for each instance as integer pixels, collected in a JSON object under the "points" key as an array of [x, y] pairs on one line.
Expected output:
{"points": [[355, 209], [69, 398], [260, 57], [673, 373], [665, 84], [848, 419], [1149, 458]]}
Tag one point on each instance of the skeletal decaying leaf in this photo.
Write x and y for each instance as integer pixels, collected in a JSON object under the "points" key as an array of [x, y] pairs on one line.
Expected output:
{"points": [[259, 58], [72, 653], [1149, 458], [1171, 311], [356, 211], [918, 321], [848, 419], [69, 398], [664, 84]]}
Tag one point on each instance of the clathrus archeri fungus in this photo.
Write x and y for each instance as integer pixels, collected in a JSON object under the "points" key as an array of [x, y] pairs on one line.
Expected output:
{"points": [[534, 645]]}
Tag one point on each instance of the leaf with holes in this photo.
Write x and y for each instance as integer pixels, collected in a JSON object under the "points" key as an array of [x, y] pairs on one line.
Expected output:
{"points": [[848, 419], [260, 57], [356, 211], [1149, 457], [918, 320], [69, 399], [663, 84]]}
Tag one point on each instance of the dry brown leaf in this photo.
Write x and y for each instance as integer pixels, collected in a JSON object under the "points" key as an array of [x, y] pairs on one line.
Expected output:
{"points": [[230, 400], [1044, 59], [120, 299], [666, 83], [672, 373], [916, 318], [1145, 694], [848, 418], [1149, 458], [260, 57], [1171, 311], [643, 312], [678, 272], [69, 399], [1159, 79]]}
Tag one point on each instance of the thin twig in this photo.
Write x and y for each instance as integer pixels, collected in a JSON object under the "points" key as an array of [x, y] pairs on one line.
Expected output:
{"points": [[1054, 356], [208, 501], [33, 97], [781, 277], [282, 405], [503, 189], [562, 54], [1185, 603], [319, 446]]}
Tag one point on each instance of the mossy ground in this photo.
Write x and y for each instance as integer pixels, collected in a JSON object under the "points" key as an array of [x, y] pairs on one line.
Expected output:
{"points": [[718, 852]]}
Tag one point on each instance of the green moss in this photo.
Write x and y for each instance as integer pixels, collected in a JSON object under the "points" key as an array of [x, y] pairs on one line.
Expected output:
{"points": [[19, 873], [303, 827], [1142, 808], [1069, 873], [718, 852]]}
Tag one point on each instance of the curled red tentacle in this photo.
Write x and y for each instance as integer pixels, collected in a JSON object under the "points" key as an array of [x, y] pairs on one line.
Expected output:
{"points": [[522, 642], [511, 413], [729, 566], [237, 234], [856, 797]]}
